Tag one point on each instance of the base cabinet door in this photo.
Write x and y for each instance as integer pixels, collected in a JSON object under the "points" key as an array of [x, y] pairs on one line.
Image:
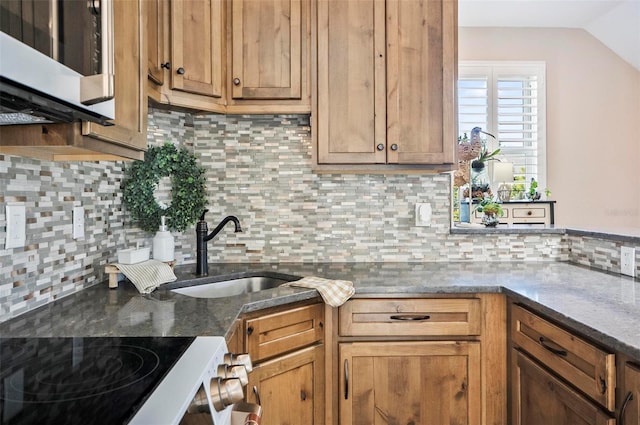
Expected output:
{"points": [[630, 409], [542, 399], [416, 382], [290, 388]]}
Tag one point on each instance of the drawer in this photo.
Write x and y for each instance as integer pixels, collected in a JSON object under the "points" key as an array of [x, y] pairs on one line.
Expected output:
{"points": [[407, 317], [278, 333], [539, 213], [587, 367]]}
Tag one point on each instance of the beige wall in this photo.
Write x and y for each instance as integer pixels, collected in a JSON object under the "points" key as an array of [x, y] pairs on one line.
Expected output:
{"points": [[593, 121]]}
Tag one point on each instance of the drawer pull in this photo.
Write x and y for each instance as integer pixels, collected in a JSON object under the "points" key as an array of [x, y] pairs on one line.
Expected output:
{"points": [[346, 379], [256, 392], [414, 317], [624, 407], [543, 342], [603, 385]]}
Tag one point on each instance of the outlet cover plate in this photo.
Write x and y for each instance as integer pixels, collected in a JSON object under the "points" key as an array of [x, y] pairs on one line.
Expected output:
{"points": [[16, 225], [78, 222], [628, 261]]}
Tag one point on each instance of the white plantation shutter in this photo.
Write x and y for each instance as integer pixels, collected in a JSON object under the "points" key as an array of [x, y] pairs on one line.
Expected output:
{"points": [[507, 99]]}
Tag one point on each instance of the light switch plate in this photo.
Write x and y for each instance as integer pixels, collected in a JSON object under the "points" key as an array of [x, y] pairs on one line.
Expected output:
{"points": [[628, 261], [423, 214], [16, 226], [78, 222]]}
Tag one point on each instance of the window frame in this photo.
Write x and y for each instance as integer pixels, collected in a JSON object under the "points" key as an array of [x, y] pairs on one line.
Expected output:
{"points": [[492, 71]]}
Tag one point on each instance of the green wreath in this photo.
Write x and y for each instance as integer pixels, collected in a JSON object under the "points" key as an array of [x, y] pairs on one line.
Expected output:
{"points": [[188, 198]]}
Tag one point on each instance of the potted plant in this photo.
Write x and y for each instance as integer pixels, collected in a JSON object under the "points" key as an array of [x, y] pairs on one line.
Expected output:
{"points": [[491, 211]]}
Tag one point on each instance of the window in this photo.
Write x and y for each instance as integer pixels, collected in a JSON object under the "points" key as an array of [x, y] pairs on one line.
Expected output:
{"points": [[507, 99]]}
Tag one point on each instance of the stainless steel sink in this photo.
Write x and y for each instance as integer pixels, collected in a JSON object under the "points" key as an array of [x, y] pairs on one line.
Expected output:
{"points": [[231, 287]]}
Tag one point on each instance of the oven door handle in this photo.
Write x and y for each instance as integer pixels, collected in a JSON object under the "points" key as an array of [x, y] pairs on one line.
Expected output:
{"points": [[101, 87]]}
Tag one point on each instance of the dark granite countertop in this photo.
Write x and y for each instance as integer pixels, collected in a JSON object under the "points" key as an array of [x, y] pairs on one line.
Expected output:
{"points": [[601, 306]]}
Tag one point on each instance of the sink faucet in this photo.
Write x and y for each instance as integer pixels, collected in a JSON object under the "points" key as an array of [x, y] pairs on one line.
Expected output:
{"points": [[202, 267]]}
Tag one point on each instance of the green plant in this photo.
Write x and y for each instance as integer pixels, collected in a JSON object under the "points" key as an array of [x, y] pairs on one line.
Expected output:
{"points": [[532, 193], [518, 187], [490, 207], [188, 195], [485, 156]]}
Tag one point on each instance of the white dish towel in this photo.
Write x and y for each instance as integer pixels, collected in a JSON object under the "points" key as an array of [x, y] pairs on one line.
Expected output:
{"points": [[147, 275], [333, 292]]}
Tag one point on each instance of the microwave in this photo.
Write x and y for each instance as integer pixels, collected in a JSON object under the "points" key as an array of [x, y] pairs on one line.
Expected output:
{"points": [[56, 61]]}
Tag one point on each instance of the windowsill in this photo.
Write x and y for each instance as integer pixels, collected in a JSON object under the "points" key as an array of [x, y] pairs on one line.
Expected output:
{"points": [[630, 236], [507, 229]]}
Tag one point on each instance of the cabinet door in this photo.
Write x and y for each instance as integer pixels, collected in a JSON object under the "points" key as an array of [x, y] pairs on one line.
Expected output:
{"points": [[130, 129], [197, 36], [291, 388], [156, 30], [421, 75], [540, 398], [351, 111], [630, 409], [266, 49], [421, 383]]}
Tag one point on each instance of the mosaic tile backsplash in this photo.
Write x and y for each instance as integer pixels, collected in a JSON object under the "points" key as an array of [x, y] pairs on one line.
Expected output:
{"points": [[259, 169]]}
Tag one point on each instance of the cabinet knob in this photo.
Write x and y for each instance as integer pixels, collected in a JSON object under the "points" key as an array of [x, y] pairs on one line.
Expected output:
{"points": [[380, 147], [180, 71], [166, 65], [249, 330], [236, 81], [394, 147]]}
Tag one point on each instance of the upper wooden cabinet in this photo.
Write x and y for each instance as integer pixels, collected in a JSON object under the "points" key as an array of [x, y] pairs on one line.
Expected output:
{"points": [[230, 56], [89, 141], [385, 82], [197, 46], [265, 59]]}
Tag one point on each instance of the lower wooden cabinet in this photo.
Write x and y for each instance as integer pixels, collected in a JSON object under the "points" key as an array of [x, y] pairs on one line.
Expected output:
{"points": [[416, 382], [286, 345], [290, 388], [539, 398], [630, 407]]}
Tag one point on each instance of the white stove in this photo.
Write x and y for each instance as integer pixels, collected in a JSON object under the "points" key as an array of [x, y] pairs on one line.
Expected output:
{"points": [[195, 385], [119, 380]]}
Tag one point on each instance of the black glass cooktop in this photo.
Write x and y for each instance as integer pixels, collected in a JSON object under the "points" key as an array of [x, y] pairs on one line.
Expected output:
{"points": [[81, 380]]}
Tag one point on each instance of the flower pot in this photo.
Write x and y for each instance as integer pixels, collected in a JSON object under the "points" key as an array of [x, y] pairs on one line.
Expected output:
{"points": [[490, 220]]}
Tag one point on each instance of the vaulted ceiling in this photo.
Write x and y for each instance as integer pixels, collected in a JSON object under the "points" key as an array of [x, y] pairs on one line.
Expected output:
{"points": [[616, 23]]}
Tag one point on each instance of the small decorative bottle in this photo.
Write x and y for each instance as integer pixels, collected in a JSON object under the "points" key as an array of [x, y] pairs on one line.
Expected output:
{"points": [[163, 243]]}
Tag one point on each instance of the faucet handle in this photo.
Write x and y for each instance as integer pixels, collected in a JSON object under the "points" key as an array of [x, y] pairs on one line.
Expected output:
{"points": [[203, 213]]}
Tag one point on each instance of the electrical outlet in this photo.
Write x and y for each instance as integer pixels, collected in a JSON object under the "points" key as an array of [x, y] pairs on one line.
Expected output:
{"points": [[628, 261]]}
